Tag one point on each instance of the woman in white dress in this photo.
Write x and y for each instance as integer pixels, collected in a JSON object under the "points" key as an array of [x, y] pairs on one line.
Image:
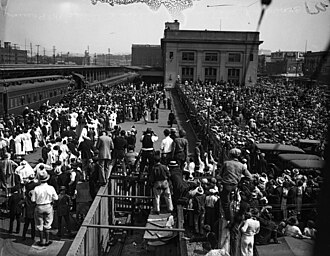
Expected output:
{"points": [[27, 141], [19, 147]]}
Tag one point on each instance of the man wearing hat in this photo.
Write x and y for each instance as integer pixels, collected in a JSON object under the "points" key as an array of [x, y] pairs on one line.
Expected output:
{"points": [[63, 210], [147, 150], [159, 179], [44, 195], [231, 174]]}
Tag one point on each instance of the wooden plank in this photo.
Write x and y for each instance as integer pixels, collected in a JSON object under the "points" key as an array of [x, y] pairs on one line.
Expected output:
{"points": [[182, 242]]}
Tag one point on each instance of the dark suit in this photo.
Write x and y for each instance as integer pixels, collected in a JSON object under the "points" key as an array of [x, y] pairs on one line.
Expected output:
{"points": [[87, 149], [15, 210], [104, 145]]}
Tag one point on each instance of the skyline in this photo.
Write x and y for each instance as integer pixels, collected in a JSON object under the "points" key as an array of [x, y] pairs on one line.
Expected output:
{"points": [[73, 25]]}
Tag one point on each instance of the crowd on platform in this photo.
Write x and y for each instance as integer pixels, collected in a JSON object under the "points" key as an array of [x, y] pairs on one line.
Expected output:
{"points": [[81, 136], [75, 154]]}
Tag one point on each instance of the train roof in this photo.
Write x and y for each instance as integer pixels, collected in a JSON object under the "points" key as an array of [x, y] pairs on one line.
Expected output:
{"points": [[278, 147], [28, 86], [287, 157], [308, 164]]}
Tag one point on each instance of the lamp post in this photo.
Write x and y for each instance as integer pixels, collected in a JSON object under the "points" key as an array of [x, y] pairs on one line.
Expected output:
{"points": [[208, 104]]}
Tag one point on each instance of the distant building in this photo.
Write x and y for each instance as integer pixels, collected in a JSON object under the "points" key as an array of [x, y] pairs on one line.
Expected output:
{"points": [[12, 55], [209, 55], [147, 55], [263, 60], [285, 63], [111, 60], [314, 69]]}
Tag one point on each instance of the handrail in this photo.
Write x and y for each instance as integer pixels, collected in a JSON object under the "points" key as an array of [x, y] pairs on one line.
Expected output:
{"points": [[121, 196], [133, 228]]}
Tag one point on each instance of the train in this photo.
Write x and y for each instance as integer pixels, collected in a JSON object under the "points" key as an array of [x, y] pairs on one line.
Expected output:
{"points": [[17, 94]]}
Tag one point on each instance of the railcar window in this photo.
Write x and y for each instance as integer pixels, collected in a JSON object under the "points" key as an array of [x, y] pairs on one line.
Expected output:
{"points": [[40, 96], [51, 94], [22, 100], [35, 97], [55, 93]]}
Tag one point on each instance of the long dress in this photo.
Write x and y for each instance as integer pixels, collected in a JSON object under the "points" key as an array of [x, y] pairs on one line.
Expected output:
{"points": [[19, 147], [27, 142]]}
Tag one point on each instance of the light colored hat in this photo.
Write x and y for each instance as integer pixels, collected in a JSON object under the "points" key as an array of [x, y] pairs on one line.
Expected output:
{"points": [[295, 171], [279, 181], [173, 164], [199, 190], [43, 176]]}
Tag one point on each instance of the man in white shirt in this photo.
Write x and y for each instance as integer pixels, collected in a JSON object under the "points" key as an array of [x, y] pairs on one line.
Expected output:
{"points": [[44, 195], [166, 148]]}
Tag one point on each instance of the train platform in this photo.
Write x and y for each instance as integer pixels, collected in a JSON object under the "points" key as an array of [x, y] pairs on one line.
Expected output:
{"points": [[13, 244]]}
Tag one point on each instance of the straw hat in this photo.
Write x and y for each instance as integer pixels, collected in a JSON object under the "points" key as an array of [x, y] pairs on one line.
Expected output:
{"points": [[43, 176]]}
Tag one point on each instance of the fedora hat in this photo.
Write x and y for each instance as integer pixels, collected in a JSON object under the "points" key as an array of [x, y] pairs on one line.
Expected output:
{"points": [[43, 176], [173, 164]]}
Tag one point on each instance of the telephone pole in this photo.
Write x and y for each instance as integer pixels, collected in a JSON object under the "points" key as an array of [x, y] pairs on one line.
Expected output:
{"points": [[31, 49], [54, 49], [38, 45], [109, 56], [44, 57]]}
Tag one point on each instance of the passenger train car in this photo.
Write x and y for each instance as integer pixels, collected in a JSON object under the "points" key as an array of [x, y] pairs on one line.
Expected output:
{"points": [[32, 92], [16, 94]]}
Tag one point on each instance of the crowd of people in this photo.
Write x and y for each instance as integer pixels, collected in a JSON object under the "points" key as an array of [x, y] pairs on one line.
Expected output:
{"points": [[81, 136], [76, 139], [240, 117]]}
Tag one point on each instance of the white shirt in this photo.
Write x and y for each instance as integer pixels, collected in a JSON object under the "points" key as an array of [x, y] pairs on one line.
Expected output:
{"points": [[166, 145], [44, 194]]}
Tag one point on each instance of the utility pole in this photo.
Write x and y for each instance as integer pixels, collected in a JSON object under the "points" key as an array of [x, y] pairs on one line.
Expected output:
{"points": [[15, 53], [38, 45], [31, 49], [109, 56], [54, 49], [43, 59]]}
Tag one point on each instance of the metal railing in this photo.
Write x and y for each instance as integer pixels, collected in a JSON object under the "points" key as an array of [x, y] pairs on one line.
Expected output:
{"points": [[94, 234]]}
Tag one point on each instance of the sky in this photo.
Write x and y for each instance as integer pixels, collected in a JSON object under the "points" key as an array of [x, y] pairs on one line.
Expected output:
{"points": [[77, 25]]}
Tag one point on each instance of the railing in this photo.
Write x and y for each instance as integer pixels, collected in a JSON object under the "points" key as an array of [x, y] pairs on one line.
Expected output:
{"points": [[94, 234], [93, 241]]}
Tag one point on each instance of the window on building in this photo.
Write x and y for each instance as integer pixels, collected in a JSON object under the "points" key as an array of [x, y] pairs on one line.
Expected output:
{"points": [[211, 56], [190, 56], [210, 71], [251, 57], [187, 73], [171, 55], [234, 57], [233, 75], [211, 75]]}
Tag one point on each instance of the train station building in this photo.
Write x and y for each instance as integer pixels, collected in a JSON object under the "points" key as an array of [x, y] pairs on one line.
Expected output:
{"points": [[212, 56]]}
